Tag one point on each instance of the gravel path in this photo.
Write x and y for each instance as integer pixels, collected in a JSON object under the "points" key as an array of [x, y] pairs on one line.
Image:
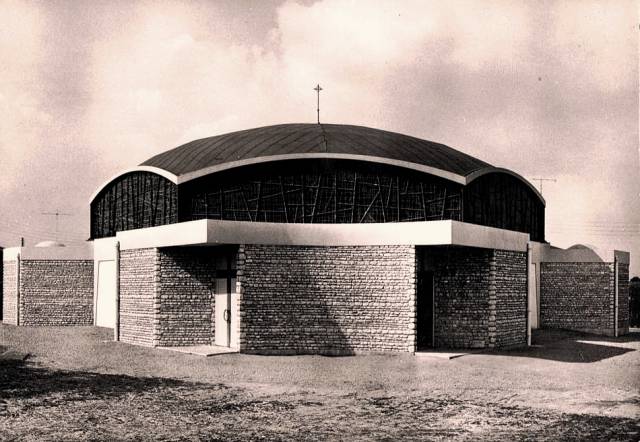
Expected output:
{"points": [[78, 385]]}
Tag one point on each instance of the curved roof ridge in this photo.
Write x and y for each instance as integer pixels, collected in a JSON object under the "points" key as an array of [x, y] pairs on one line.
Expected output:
{"points": [[297, 141], [300, 138], [491, 169]]}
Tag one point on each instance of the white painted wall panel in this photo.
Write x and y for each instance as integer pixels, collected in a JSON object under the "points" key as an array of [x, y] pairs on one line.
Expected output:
{"points": [[106, 294]]}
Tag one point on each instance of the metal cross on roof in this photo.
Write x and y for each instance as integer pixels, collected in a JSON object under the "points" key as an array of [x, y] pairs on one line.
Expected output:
{"points": [[318, 89]]}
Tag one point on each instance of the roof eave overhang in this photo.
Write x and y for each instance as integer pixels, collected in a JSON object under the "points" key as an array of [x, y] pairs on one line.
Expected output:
{"points": [[457, 178], [450, 176], [322, 155]]}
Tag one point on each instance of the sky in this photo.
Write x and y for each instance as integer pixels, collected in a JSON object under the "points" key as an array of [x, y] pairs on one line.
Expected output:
{"points": [[548, 89]]}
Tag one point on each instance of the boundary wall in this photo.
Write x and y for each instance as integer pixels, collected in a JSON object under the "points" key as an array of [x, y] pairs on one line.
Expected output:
{"points": [[47, 286], [585, 290]]}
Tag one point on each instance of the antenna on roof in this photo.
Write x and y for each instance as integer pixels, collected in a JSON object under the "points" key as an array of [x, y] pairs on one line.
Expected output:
{"points": [[541, 180], [318, 89], [57, 214]]}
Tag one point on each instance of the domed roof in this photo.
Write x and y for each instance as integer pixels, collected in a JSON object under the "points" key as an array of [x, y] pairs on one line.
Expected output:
{"points": [[50, 244], [281, 142], [300, 139]]}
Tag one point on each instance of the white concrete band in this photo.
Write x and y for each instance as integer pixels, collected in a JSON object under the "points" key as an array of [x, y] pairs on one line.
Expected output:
{"points": [[326, 156], [425, 233]]}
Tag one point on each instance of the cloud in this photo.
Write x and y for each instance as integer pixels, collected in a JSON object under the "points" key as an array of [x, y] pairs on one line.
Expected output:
{"points": [[599, 41], [547, 91], [21, 116], [153, 88]]}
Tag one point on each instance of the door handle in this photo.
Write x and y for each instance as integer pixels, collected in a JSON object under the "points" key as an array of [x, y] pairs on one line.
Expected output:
{"points": [[226, 315]]}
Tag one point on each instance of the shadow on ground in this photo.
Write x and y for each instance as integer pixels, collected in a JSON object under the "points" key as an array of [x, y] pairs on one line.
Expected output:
{"points": [[574, 347], [21, 379]]}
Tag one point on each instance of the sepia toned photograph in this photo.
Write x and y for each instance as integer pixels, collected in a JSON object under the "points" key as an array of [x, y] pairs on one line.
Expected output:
{"points": [[319, 220]]}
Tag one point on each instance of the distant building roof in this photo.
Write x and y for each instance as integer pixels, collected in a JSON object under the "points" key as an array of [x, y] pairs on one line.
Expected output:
{"points": [[50, 244], [287, 139]]}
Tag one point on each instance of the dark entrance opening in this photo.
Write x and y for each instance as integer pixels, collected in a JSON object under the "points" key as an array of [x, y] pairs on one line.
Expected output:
{"points": [[225, 298], [425, 311]]}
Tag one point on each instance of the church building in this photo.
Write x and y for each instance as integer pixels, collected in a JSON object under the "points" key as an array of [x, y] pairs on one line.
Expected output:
{"points": [[336, 239]]}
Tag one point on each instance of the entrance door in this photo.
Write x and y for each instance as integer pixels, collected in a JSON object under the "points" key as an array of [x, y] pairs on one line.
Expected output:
{"points": [[425, 311], [225, 299], [106, 295]]}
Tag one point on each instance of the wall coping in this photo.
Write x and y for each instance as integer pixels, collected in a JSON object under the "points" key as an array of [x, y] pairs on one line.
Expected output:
{"points": [[424, 233], [73, 253]]}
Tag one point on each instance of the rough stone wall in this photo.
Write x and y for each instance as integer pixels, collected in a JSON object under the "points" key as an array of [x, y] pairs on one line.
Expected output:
{"points": [[480, 297], [508, 295], [56, 292], [577, 296], [185, 304], [10, 292], [139, 271], [461, 297], [623, 298], [327, 300]]}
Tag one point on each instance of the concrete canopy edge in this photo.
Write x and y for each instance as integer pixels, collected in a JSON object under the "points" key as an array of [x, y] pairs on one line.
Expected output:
{"points": [[427, 233], [179, 234]]}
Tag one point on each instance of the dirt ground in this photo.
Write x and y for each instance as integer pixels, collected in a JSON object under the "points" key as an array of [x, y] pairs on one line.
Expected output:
{"points": [[76, 384]]}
